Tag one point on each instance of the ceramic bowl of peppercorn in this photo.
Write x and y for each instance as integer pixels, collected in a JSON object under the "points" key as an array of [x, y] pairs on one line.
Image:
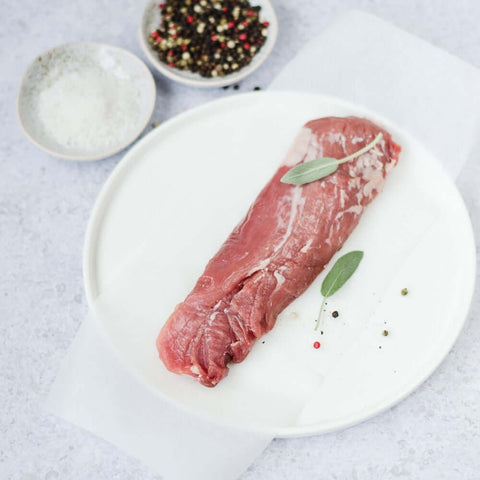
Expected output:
{"points": [[208, 43]]}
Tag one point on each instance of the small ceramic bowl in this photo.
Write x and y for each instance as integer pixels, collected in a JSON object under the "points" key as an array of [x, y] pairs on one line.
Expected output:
{"points": [[151, 20], [128, 103]]}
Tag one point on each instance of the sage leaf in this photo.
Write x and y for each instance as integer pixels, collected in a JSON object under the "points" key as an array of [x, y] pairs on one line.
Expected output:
{"points": [[318, 168], [310, 171], [343, 269]]}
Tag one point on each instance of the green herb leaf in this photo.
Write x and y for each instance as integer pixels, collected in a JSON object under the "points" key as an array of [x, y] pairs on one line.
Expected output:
{"points": [[343, 269], [310, 171], [318, 168]]}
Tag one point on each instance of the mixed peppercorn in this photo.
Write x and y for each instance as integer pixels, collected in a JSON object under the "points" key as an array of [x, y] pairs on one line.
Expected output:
{"points": [[210, 37]]}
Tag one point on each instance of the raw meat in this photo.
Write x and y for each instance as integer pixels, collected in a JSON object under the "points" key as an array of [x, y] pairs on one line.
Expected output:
{"points": [[286, 239]]}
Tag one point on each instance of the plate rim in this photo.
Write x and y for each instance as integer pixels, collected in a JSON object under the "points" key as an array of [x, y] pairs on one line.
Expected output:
{"points": [[116, 175]]}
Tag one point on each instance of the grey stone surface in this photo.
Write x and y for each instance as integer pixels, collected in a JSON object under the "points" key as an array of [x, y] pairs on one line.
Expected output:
{"points": [[44, 207]]}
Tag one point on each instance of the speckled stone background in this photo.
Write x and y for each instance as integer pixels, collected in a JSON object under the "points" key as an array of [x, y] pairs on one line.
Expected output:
{"points": [[44, 206]]}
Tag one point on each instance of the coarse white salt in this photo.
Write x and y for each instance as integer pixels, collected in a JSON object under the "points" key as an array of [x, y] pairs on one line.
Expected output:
{"points": [[90, 109], [85, 100]]}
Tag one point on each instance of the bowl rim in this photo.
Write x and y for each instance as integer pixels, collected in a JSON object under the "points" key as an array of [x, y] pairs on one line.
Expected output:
{"points": [[81, 157], [201, 82]]}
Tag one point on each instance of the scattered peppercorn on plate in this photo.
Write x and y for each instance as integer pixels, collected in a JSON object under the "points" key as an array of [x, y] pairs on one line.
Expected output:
{"points": [[205, 44]]}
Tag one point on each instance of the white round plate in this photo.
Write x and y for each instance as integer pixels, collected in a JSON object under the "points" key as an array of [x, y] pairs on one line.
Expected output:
{"points": [[194, 178], [116, 65], [151, 20]]}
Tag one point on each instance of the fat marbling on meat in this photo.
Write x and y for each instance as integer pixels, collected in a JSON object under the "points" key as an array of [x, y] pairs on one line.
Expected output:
{"points": [[286, 239]]}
